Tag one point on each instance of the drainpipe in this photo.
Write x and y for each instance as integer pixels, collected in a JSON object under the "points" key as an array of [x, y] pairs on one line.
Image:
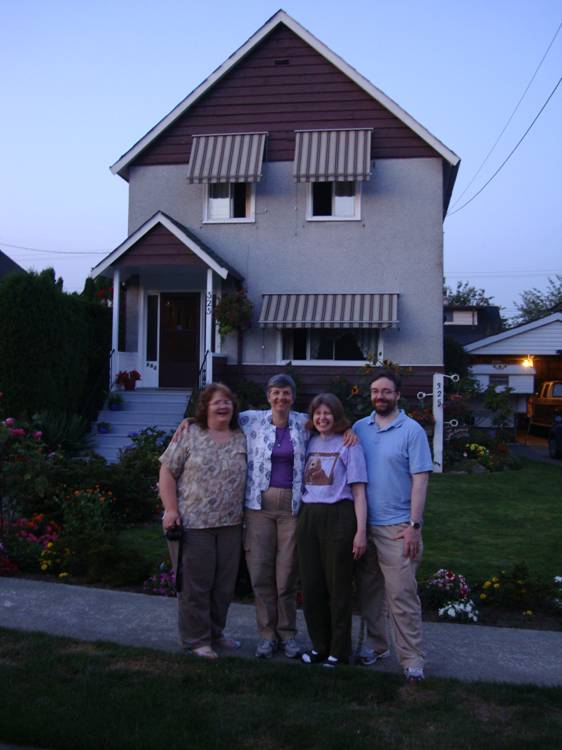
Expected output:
{"points": [[115, 316], [209, 325]]}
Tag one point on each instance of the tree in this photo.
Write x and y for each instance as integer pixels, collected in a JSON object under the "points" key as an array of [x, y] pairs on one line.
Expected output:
{"points": [[466, 294], [536, 303]]}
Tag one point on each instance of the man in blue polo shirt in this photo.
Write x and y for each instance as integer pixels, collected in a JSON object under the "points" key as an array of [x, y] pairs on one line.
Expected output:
{"points": [[398, 466]]}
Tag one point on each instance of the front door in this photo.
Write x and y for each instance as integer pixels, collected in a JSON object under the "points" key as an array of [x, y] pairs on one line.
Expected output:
{"points": [[179, 340]]}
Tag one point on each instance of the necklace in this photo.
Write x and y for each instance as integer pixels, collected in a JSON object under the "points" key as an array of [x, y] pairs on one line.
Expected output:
{"points": [[280, 433]]}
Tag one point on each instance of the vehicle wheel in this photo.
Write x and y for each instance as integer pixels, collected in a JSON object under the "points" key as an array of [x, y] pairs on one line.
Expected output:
{"points": [[553, 449]]}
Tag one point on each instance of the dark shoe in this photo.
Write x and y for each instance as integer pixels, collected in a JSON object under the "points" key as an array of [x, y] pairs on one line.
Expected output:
{"points": [[312, 657], [331, 662]]}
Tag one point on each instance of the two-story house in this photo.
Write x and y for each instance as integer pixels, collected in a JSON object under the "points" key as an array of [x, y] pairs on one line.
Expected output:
{"points": [[287, 172]]}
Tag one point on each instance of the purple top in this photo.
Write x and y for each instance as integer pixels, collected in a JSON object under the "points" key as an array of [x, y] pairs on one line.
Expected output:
{"points": [[282, 458], [331, 469]]}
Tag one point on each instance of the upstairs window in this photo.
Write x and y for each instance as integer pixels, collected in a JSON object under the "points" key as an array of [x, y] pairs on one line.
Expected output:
{"points": [[334, 200], [230, 201]]}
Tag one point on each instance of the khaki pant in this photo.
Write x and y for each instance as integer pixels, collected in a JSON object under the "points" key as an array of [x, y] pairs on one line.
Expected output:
{"points": [[384, 570], [210, 560], [271, 556]]}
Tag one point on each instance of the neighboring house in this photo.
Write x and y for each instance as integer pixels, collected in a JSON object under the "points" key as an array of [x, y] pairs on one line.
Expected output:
{"points": [[7, 265], [468, 323], [521, 358], [289, 173]]}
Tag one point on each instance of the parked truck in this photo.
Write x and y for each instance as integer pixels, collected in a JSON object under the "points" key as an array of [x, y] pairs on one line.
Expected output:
{"points": [[547, 403]]}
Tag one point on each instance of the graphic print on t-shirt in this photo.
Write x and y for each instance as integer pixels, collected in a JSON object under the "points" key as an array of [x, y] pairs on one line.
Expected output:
{"points": [[319, 469]]}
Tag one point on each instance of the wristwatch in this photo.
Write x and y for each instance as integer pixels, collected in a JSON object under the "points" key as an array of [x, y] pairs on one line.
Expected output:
{"points": [[415, 524]]}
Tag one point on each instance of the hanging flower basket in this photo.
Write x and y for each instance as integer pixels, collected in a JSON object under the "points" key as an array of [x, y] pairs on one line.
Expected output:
{"points": [[233, 312]]}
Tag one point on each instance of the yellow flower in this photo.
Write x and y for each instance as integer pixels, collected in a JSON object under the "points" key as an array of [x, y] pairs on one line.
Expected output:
{"points": [[63, 575], [44, 566], [495, 579], [528, 612], [49, 545], [496, 585], [487, 584], [483, 596]]}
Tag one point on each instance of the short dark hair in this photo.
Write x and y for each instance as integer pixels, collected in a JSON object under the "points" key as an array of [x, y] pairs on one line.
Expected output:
{"points": [[341, 422], [281, 381], [202, 409], [386, 372]]}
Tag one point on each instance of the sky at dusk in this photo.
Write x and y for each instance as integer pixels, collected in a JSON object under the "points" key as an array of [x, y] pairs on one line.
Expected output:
{"points": [[81, 82]]}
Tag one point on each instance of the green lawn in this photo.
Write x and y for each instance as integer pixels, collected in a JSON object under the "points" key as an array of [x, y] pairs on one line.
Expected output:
{"points": [[477, 523], [66, 694], [474, 524]]}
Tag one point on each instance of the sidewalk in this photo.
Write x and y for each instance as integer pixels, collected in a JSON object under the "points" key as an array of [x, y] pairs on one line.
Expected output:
{"points": [[466, 652]]}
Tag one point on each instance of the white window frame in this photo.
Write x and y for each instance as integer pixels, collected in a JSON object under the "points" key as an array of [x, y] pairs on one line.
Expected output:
{"points": [[328, 362], [357, 203], [250, 205]]}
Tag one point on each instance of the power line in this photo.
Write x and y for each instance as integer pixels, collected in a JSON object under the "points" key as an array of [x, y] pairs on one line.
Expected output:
{"points": [[510, 118], [54, 252], [513, 150]]}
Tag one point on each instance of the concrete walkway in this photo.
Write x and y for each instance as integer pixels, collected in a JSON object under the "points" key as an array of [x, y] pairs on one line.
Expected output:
{"points": [[466, 652]]}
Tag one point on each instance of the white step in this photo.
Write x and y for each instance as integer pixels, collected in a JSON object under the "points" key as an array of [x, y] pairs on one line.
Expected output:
{"points": [[142, 408]]}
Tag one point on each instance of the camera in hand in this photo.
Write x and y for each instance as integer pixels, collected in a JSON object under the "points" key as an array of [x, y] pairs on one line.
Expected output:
{"points": [[174, 534]]}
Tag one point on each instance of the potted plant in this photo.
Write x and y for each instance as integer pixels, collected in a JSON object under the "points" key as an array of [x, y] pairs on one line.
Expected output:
{"points": [[104, 428], [128, 379], [115, 401], [233, 312]]}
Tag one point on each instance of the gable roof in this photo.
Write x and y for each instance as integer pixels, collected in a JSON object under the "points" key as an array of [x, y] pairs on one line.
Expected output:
{"points": [[486, 345], [7, 265], [120, 167], [182, 233]]}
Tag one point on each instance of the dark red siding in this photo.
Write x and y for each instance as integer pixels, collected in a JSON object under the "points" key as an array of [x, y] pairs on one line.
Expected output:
{"points": [[159, 247], [313, 380], [260, 95]]}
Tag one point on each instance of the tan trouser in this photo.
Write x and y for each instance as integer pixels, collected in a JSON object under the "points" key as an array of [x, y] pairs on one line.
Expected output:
{"points": [[271, 556], [210, 560], [384, 570]]}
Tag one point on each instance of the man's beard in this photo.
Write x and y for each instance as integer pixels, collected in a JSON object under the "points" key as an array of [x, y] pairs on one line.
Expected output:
{"points": [[384, 407]]}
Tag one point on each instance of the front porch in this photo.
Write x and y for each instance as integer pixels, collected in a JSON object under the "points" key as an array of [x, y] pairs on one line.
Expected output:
{"points": [[165, 284]]}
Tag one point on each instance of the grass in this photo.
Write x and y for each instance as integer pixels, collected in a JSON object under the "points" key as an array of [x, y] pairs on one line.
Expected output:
{"points": [[475, 524], [65, 694]]}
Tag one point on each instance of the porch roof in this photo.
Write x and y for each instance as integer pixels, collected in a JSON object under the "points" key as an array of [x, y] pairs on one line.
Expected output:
{"points": [[186, 237], [329, 311]]}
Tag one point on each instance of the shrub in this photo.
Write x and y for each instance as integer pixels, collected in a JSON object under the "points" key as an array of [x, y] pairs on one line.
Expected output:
{"points": [[518, 588]]}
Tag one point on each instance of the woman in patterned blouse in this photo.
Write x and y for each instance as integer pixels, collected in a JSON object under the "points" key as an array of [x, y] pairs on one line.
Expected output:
{"points": [[202, 481]]}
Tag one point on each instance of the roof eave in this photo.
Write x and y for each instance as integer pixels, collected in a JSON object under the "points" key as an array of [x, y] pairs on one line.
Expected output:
{"points": [[120, 167]]}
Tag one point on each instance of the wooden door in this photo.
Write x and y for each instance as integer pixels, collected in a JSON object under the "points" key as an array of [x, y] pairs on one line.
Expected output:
{"points": [[179, 340]]}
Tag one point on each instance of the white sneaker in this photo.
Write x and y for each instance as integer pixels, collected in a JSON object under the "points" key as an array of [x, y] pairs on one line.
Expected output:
{"points": [[368, 656], [266, 649], [414, 674]]}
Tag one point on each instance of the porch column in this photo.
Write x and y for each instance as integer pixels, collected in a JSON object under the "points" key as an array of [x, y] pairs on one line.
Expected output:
{"points": [[115, 323], [209, 326]]}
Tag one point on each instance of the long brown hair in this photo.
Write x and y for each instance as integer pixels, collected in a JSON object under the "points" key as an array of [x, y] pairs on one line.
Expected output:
{"points": [[341, 422], [202, 410]]}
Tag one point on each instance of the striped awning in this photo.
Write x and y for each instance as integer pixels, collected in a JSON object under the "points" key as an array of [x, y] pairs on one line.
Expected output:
{"points": [[329, 311], [332, 155], [228, 157]]}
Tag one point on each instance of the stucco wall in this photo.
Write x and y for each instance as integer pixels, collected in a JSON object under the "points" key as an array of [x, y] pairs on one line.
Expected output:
{"points": [[396, 247]]}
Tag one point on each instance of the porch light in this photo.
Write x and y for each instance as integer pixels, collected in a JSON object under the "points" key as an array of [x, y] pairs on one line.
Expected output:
{"points": [[528, 361]]}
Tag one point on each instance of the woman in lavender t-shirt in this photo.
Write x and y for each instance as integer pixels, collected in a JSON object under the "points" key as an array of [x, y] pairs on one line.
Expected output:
{"points": [[331, 530]]}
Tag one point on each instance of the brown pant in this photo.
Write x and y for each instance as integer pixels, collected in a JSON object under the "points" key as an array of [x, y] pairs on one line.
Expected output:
{"points": [[210, 559], [271, 556], [384, 570]]}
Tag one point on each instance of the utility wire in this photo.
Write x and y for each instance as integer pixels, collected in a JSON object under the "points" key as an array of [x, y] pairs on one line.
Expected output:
{"points": [[513, 150], [457, 201], [54, 252]]}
